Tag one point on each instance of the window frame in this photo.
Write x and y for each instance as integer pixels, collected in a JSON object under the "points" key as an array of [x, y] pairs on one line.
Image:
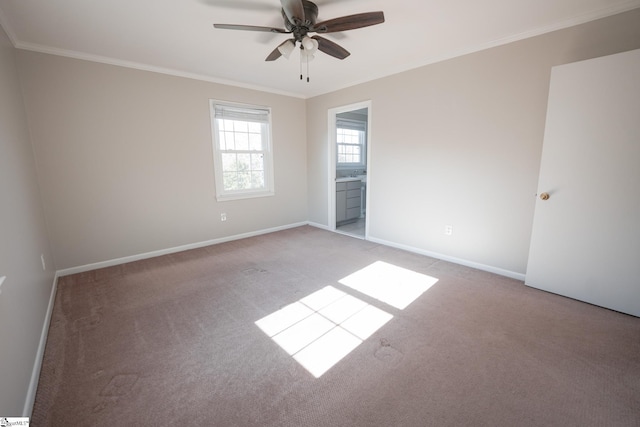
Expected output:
{"points": [[352, 125], [223, 194]]}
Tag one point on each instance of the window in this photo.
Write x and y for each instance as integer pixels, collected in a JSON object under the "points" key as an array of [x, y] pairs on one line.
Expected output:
{"points": [[242, 152], [351, 142]]}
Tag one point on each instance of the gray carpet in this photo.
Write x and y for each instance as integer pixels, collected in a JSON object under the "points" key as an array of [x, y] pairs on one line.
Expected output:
{"points": [[173, 340]]}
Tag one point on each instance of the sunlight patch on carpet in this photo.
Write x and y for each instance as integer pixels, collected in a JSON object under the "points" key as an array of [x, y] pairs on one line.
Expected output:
{"points": [[320, 329], [389, 283]]}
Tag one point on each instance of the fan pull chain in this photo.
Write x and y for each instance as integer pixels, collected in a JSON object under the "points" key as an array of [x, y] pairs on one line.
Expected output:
{"points": [[307, 59]]}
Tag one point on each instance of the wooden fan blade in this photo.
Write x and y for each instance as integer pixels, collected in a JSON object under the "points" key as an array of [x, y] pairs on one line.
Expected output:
{"points": [[294, 11], [331, 48], [274, 55], [350, 22], [250, 28]]}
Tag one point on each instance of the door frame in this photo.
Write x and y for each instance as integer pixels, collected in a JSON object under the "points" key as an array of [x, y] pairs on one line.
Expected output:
{"points": [[331, 164]]}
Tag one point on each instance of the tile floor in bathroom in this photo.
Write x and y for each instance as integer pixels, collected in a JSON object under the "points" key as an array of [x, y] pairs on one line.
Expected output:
{"points": [[353, 228]]}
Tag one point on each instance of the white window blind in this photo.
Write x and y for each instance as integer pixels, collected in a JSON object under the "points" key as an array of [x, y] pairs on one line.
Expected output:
{"points": [[351, 124], [255, 115]]}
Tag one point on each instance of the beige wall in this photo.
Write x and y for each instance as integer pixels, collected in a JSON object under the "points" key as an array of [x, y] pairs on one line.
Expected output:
{"points": [[125, 159], [459, 143], [23, 238]]}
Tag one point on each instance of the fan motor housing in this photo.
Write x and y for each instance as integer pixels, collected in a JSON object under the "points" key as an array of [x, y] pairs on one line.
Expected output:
{"points": [[310, 16]]}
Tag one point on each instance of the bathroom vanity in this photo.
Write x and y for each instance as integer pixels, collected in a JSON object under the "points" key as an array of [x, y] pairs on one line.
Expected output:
{"points": [[348, 199]]}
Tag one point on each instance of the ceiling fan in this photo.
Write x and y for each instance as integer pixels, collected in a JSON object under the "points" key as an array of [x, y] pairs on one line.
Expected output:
{"points": [[300, 20]]}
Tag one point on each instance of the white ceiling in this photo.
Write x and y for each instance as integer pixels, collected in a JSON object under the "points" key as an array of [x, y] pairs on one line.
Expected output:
{"points": [[177, 36]]}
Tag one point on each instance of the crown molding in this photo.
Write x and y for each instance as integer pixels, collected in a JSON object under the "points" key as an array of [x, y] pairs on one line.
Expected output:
{"points": [[34, 47]]}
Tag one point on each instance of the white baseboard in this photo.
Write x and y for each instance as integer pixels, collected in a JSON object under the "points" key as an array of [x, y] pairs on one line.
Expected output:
{"points": [[460, 261], [321, 226], [124, 260], [37, 364]]}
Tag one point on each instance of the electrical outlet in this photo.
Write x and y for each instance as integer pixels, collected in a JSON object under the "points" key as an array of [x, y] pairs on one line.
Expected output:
{"points": [[448, 230], [44, 266], [223, 217]]}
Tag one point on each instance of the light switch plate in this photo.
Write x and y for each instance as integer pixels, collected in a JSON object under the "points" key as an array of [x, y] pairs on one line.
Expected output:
{"points": [[1, 282]]}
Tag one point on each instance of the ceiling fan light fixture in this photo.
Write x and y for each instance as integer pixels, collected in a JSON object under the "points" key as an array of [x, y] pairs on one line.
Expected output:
{"points": [[310, 45], [286, 48]]}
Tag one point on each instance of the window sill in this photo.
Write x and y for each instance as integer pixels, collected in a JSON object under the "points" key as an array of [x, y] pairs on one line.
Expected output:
{"points": [[247, 195]]}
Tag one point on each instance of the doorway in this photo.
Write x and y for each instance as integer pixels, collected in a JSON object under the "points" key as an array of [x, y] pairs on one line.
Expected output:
{"points": [[349, 169]]}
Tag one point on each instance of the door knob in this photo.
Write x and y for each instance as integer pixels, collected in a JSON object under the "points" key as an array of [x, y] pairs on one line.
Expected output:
{"points": [[544, 196]]}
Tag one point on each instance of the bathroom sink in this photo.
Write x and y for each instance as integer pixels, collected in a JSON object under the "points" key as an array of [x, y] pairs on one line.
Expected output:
{"points": [[362, 178]]}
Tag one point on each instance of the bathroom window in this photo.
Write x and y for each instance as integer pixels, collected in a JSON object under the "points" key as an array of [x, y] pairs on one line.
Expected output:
{"points": [[243, 158], [351, 141]]}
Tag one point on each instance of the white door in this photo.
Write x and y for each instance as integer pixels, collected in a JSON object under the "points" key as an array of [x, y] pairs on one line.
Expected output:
{"points": [[586, 236]]}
